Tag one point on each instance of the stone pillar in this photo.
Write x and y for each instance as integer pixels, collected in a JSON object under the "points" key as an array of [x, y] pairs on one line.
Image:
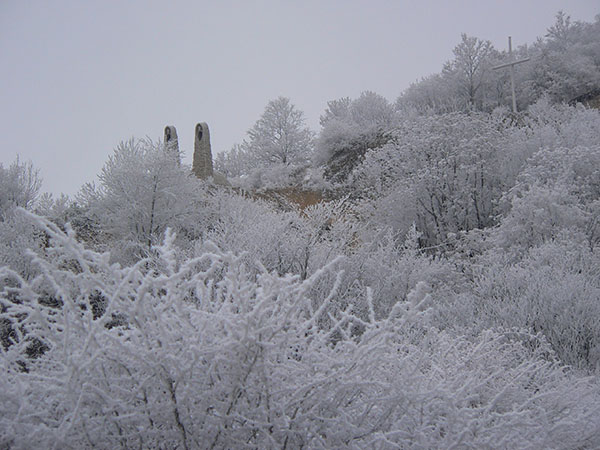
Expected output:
{"points": [[172, 143], [202, 165]]}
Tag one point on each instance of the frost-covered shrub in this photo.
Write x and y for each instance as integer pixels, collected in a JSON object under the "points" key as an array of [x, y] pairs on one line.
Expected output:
{"points": [[255, 231], [541, 215], [270, 177], [448, 173], [285, 242], [440, 172], [20, 184], [546, 126], [201, 354], [178, 354], [554, 289], [17, 238], [392, 271], [59, 210], [557, 193]]}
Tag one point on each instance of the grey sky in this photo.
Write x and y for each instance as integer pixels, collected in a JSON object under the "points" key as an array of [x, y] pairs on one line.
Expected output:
{"points": [[80, 76]]}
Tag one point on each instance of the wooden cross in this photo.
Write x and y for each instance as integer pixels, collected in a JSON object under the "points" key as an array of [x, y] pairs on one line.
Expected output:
{"points": [[511, 64]]}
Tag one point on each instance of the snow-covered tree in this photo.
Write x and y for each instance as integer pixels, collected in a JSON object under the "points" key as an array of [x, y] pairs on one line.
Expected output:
{"points": [[278, 149], [349, 129], [280, 135], [569, 55], [142, 191], [430, 95], [470, 66], [20, 186]]}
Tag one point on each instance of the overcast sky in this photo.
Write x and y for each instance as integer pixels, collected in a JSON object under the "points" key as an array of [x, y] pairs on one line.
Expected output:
{"points": [[79, 76]]}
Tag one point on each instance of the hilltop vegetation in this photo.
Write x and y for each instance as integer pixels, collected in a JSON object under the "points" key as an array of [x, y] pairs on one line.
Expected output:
{"points": [[446, 293]]}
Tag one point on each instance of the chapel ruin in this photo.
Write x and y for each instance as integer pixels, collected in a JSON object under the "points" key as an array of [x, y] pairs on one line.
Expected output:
{"points": [[172, 143], [202, 165]]}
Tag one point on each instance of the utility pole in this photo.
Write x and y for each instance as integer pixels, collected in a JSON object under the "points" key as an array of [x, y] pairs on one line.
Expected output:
{"points": [[511, 64]]}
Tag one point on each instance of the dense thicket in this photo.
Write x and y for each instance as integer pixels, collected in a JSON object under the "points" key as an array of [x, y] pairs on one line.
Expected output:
{"points": [[446, 295]]}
